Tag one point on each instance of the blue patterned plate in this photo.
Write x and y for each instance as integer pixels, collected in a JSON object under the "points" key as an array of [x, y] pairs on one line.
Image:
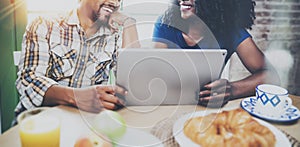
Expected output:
{"points": [[291, 114]]}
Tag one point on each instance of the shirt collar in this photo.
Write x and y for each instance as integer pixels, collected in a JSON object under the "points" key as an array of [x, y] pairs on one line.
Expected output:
{"points": [[73, 18]]}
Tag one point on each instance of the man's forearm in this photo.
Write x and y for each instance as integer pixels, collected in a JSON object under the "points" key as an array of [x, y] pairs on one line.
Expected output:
{"points": [[130, 35], [59, 95]]}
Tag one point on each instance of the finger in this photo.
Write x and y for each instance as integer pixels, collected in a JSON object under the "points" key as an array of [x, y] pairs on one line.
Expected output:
{"points": [[108, 105], [213, 104], [106, 89], [213, 101], [215, 84], [211, 85], [207, 93], [120, 90], [214, 98], [115, 89], [112, 25], [114, 30], [121, 102], [204, 93], [110, 21], [110, 98], [226, 90], [215, 92]]}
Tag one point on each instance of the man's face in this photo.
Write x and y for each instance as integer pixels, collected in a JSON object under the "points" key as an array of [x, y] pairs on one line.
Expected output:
{"points": [[102, 9], [187, 8]]}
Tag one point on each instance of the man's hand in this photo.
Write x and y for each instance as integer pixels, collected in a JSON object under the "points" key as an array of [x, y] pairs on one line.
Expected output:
{"points": [[215, 94], [95, 98], [118, 19]]}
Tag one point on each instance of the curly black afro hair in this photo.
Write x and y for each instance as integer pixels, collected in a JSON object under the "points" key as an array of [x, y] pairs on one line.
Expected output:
{"points": [[218, 15]]}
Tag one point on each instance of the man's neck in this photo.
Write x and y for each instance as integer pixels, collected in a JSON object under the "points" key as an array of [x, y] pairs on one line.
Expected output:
{"points": [[89, 24]]}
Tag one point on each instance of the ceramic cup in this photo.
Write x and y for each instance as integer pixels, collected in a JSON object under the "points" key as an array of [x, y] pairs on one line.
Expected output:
{"points": [[272, 100]]}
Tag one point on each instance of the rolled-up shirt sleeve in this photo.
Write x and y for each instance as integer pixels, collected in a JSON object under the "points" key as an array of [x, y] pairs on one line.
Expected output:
{"points": [[32, 82]]}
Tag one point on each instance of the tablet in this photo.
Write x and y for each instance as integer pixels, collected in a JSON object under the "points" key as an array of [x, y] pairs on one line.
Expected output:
{"points": [[167, 76]]}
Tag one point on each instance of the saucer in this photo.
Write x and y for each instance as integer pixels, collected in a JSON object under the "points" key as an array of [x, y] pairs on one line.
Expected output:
{"points": [[291, 114]]}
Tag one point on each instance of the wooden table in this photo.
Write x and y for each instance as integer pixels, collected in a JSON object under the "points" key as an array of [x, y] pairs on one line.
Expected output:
{"points": [[74, 122]]}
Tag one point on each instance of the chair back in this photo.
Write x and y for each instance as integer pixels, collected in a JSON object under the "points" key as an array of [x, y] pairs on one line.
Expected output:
{"points": [[17, 56]]}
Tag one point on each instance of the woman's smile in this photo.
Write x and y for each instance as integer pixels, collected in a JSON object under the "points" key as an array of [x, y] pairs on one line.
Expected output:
{"points": [[187, 8]]}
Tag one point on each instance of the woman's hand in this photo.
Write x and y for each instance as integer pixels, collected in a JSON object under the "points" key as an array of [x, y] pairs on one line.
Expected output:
{"points": [[216, 94], [95, 98]]}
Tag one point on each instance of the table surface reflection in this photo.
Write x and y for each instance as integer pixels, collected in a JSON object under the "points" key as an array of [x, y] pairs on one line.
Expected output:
{"points": [[74, 122]]}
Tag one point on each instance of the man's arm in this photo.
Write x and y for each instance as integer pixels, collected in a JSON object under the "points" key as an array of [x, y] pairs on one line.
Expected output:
{"points": [[31, 82], [130, 35], [91, 99]]}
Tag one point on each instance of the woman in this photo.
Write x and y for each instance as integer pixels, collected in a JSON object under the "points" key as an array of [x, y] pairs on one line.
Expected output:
{"points": [[196, 24]]}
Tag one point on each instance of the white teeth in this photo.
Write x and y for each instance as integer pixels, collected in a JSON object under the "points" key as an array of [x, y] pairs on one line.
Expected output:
{"points": [[185, 7], [107, 9]]}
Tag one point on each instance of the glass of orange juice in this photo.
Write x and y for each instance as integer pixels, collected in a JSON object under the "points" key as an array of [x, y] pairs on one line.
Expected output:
{"points": [[40, 131]]}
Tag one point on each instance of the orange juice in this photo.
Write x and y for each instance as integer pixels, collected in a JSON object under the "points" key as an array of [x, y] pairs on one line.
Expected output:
{"points": [[37, 131]]}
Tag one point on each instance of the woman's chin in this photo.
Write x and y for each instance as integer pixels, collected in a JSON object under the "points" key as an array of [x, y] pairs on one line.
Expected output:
{"points": [[186, 16]]}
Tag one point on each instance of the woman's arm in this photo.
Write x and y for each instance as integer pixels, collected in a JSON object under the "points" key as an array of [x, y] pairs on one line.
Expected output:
{"points": [[160, 45], [259, 67], [219, 92]]}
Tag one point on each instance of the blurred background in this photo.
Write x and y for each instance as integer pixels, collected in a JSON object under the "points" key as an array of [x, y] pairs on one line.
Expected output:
{"points": [[276, 32]]}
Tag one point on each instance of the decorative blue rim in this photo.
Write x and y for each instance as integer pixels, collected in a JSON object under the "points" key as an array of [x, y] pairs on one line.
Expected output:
{"points": [[271, 93], [268, 118]]}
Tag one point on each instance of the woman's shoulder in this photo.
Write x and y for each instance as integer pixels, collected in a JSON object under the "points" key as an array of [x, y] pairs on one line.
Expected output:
{"points": [[166, 27], [232, 38]]}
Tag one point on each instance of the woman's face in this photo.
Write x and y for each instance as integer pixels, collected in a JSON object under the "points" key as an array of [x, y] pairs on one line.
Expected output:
{"points": [[187, 8]]}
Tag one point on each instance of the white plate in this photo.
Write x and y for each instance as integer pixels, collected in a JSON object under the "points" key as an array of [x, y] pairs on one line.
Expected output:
{"points": [[135, 137], [183, 140], [291, 114]]}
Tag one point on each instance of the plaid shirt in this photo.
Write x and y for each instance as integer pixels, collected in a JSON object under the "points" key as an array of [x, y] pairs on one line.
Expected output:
{"points": [[56, 51]]}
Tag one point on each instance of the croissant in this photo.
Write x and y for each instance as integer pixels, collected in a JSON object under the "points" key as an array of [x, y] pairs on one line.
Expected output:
{"points": [[228, 128]]}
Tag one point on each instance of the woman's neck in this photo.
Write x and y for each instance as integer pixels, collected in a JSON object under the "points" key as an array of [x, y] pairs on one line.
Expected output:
{"points": [[193, 34]]}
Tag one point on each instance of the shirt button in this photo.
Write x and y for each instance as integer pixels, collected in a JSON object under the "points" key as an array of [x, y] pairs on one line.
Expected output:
{"points": [[82, 60], [76, 80]]}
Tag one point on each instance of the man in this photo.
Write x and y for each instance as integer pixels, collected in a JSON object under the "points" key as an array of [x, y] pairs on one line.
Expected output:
{"points": [[67, 60]]}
